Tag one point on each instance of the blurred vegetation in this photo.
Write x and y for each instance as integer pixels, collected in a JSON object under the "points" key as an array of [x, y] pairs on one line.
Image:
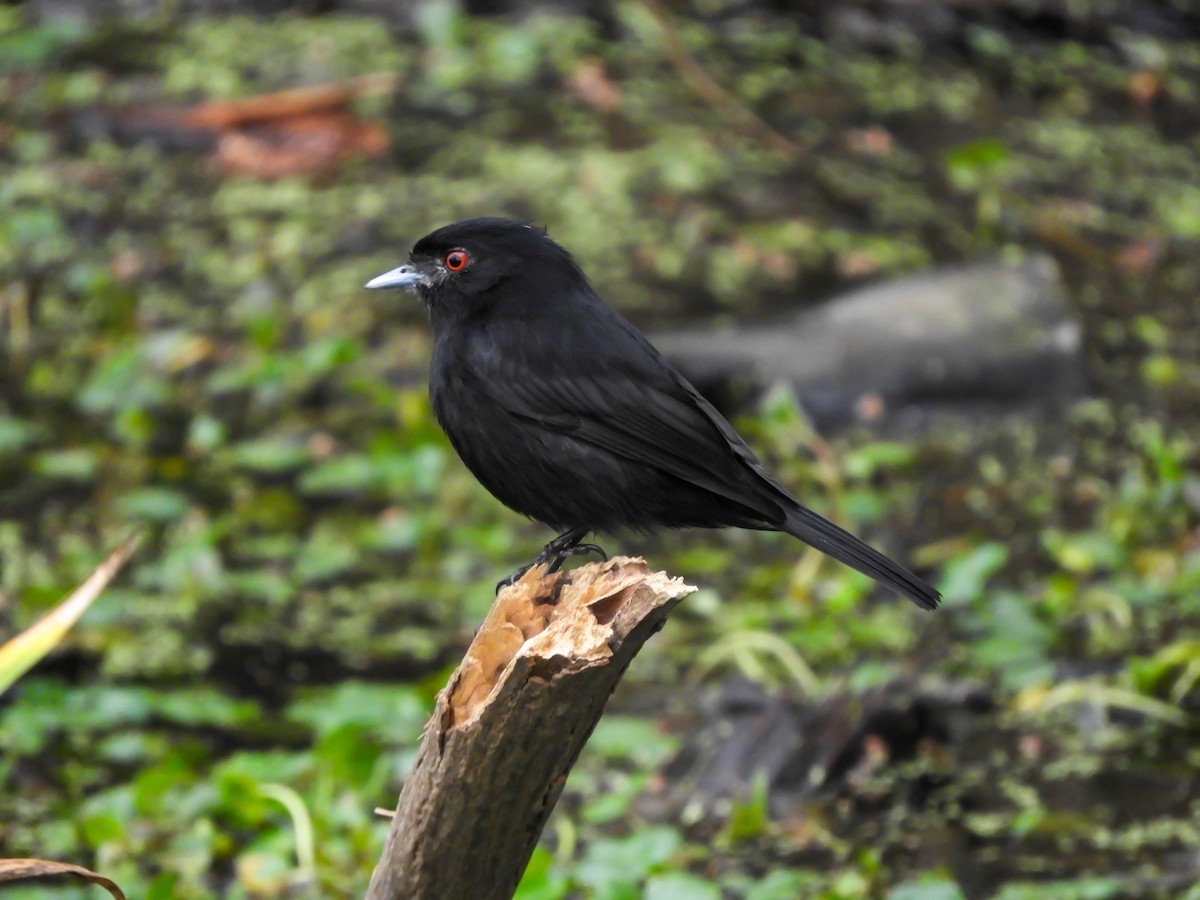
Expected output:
{"points": [[192, 353]]}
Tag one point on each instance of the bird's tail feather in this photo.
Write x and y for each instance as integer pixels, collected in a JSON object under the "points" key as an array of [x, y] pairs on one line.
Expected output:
{"points": [[845, 547]]}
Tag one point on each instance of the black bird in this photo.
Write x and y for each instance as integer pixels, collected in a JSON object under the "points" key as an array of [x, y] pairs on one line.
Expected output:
{"points": [[566, 413]]}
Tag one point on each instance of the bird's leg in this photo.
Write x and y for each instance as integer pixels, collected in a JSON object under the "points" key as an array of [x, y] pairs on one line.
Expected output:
{"points": [[567, 544], [557, 550]]}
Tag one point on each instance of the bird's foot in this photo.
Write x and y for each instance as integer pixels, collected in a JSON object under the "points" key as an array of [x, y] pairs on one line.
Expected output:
{"points": [[577, 550], [553, 555]]}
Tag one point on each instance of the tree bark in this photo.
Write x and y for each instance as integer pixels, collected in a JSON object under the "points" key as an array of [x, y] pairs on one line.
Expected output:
{"points": [[510, 724]]}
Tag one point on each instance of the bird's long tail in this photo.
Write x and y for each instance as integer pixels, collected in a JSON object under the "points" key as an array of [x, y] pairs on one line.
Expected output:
{"points": [[845, 547]]}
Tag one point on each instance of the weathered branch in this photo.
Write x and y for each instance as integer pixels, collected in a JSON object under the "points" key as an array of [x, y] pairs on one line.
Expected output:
{"points": [[510, 724]]}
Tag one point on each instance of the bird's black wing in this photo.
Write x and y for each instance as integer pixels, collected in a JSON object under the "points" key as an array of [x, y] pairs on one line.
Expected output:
{"points": [[602, 382]]}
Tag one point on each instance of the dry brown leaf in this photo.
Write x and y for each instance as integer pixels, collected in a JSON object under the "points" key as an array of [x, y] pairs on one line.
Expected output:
{"points": [[297, 146], [1144, 88], [1140, 256], [856, 264], [873, 141], [301, 131], [19, 869], [591, 83], [870, 407]]}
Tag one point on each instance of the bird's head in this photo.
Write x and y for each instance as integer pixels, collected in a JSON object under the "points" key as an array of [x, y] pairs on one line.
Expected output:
{"points": [[458, 268]]}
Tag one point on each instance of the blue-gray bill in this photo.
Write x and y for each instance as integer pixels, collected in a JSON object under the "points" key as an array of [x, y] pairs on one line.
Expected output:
{"points": [[399, 277]]}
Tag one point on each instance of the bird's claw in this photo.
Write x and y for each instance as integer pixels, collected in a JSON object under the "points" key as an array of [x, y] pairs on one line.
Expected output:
{"points": [[578, 550], [552, 556], [510, 580]]}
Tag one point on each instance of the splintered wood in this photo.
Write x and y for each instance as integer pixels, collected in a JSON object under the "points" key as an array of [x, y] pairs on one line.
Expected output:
{"points": [[568, 616], [510, 725]]}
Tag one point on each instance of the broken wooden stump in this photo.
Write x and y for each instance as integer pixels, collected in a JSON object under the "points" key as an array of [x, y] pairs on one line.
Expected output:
{"points": [[510, 724]]}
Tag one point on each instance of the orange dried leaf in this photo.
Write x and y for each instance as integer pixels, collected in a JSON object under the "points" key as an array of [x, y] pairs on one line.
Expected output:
{"points": [[322, 99]]}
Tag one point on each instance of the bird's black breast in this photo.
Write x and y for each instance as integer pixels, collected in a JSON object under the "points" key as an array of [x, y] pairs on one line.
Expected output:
{"points": [[536, 470]]}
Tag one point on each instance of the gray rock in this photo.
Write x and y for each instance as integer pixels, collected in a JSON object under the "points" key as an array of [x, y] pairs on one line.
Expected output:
{"points": [[978, 334]]}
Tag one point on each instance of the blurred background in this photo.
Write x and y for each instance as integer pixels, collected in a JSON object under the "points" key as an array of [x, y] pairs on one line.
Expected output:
{"points": [[940, 263]]}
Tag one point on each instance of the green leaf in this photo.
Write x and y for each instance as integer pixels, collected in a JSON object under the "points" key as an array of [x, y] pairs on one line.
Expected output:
{"points": [[1085, 552], [779, 885], [122, 381], [22, 652], [614, 863], [264, 765], [865, 461], [1087, 888], [326, 554], [927, 889], [349, 754], [1016, 642], [206, 433], [349, 474], [965, 577], [205, 707], [630, 738], [1179, 211], [540, 881], [68, 465], [749, 818], [396, 712], [271, 455], [970, 165], [154, 504], [16, 434], [680, 886]]}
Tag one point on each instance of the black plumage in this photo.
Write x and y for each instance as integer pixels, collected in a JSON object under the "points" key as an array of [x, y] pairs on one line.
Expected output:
{"points": [[566, 413]]}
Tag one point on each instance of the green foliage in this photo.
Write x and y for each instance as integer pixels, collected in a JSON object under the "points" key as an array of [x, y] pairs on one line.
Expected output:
{"points": [[23, 45], [541, 881], [614, 868], [927, 889], [183, 799], [965, 577], [633, 740], [780, 884], [750, 818], [680, 885], [1080, 889], [194, 353]]}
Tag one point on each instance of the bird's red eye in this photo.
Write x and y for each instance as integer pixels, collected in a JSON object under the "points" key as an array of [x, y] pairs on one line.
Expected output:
{"points": [[456, 260]]}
